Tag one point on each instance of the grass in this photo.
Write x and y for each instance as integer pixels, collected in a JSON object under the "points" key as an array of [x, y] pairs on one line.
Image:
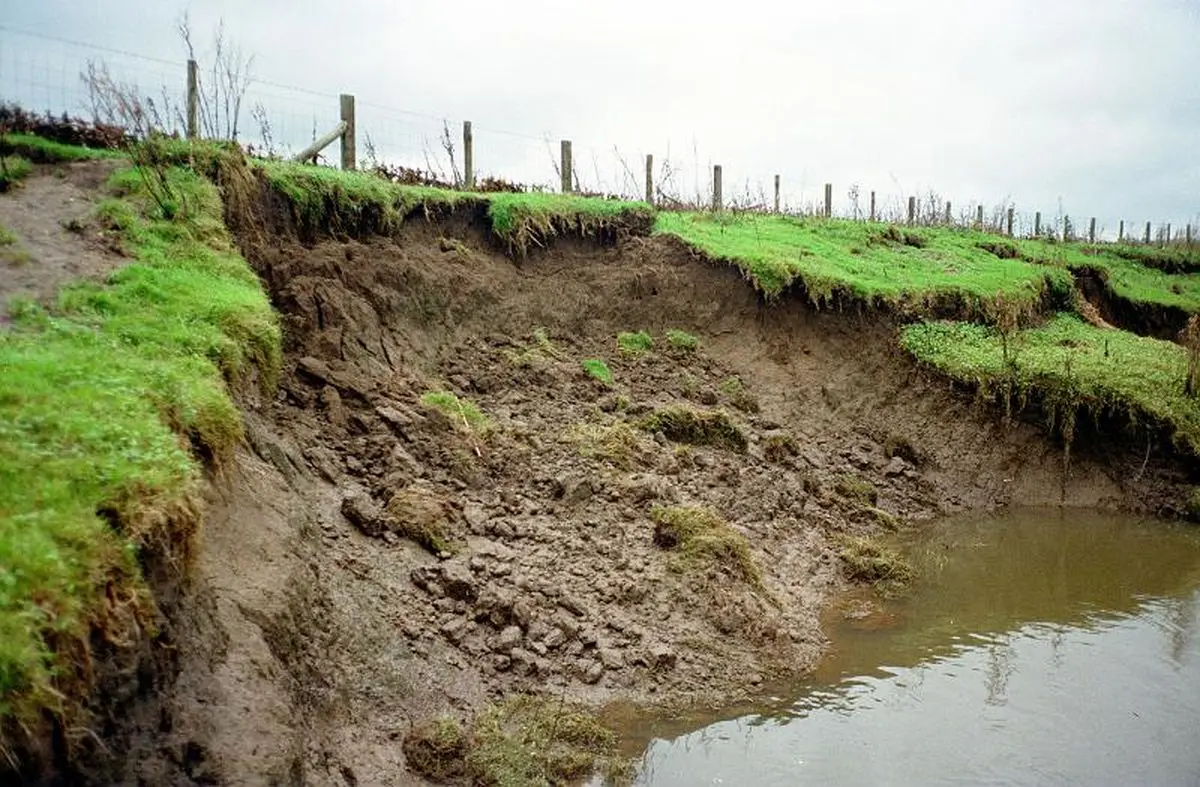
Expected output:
{"points": [[702, 539], [45, 151], [462, 412], [598, 370], [10, 251], [635, 343], [682, 340], [539, 350], [1136, 282], [683, 424], [13, 169], [867, 560], [837, 259], [359, 203], [417, 513], [1071, 365], [100, 396], [618, 442], [530, 742], [860, 490]]}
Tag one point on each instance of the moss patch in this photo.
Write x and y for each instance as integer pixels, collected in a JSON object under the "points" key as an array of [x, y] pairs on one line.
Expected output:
{"points": [[683, 424]]}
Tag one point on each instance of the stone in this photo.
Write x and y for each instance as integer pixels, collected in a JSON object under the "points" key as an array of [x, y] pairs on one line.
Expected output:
{"points": [[570, 627], [555, 639], [588, 637], [398, 420], [593, 672], [661, 656], [475, 517], [522, 613], [895, 467], [363, 512], [501, 662], [458, 581], [524, 662], [572, 604], [611, 658], [454, 629], [508, 639]]}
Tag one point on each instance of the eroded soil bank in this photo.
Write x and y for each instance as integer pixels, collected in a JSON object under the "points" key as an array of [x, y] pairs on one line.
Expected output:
{"points": [[320, 634]]}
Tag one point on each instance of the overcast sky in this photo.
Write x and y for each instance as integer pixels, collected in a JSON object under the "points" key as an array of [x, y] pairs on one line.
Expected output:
{"points": [[1096, 102]]}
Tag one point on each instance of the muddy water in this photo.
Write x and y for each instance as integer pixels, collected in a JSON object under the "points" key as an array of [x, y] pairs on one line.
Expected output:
{"points": [[1041, 648]]}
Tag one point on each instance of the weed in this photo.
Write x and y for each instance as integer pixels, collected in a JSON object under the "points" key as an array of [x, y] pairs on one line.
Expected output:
{"points": [[463, 413], [858, 489], [541, 349], [780, 447], [13, 169], [682, 424], [884, 519], [437, 750], [739, 397], [598, 370], [635, 343], [528, 741], [618, 442], [702, 539], [811, 484], [867, 560], [682, 341]]}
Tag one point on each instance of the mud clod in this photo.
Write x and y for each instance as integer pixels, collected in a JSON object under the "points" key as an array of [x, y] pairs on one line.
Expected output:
{"points": [[682, 424]]}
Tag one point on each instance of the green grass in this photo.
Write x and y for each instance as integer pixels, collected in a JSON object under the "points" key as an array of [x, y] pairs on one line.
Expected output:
{"points": [[362, 203], [1146, 285], [1072, 365], [598, 370], [682, 340], [462, 412], [868, 560], [13, 169], [45, 151], [95, 395], [702, 539], [635, 343], [683, 424], [905, 269]]}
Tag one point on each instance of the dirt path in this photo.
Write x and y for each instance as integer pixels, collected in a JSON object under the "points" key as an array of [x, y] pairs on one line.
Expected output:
{"points": [[52, 215]]}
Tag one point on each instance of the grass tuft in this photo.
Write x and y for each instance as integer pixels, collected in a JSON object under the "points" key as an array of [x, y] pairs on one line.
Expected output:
{"points": [[598, 369], [618, 442], [683, 424], [682, 341], [860, 490], [866, 560], [462, 412], [702, 539], [13, 169], [635, 343]]}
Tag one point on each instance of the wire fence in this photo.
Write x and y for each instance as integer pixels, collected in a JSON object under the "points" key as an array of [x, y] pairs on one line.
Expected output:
{"points": [[46, 74]]}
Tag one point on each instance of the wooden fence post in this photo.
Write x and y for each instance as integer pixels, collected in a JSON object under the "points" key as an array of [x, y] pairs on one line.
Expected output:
{"points": [[1010, 220], [1187, 235], [979, 217], [912, 209], [872, 206], [349, 147], [1121, 231], [468, 156], [828, 200], [566, 166], [1147, 232], [776, 193], [193, 100], [1092, 230], [1037, 224], [1167, 237], [650, 178], [947, 212], [718, 202]]}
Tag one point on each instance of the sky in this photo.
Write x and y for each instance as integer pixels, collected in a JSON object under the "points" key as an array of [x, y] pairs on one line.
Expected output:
{"points": [[1087, 106]]}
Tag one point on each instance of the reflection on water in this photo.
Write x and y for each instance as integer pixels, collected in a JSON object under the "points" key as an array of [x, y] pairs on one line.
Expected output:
{"points": [[1041, 648]]}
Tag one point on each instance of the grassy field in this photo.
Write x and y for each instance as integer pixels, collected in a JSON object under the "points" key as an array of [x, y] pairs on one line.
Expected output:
{"points": [[906, 269], [1072, 365], [101, 398]]}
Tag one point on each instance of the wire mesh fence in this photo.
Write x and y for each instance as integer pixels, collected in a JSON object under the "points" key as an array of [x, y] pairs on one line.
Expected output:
{"points": [[51, 75]]}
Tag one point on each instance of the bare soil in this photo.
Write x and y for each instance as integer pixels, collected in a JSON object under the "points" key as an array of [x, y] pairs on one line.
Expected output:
{"points": [[52, 213], [315, 634]]}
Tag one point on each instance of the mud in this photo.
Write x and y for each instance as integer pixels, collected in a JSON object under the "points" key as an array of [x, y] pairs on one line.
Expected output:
{"points": [[316, 632]]}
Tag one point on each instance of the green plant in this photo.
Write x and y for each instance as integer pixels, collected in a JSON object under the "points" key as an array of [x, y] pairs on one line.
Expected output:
{"points": [[867, 560], [13, 169], [780, 447], [682, 340], [635, 343], [461, 412], [683, 424], [855, 488], [617, 442], [739, 397], [437, 749], [598, 369], [701, 538]]}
